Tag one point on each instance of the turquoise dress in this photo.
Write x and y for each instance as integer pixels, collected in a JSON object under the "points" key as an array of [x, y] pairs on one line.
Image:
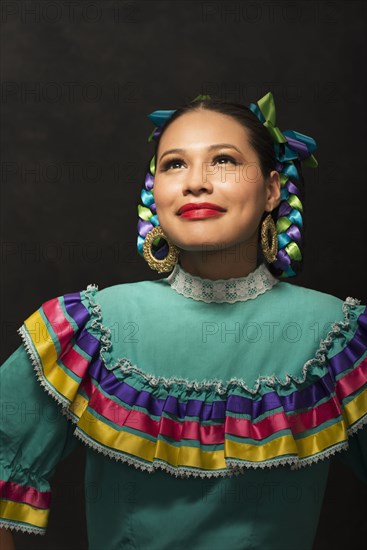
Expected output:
{"points": [[210, 410]]}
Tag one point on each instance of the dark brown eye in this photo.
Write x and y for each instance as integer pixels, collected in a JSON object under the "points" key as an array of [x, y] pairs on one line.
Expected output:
{"points": [[226, 157], [170, 163]]}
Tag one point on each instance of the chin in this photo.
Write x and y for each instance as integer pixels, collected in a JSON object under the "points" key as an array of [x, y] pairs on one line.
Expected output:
{"points": [[200, 245]]}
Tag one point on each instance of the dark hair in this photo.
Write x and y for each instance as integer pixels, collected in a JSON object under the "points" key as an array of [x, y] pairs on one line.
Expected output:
{"points": [[262, 143], [259, 137]]}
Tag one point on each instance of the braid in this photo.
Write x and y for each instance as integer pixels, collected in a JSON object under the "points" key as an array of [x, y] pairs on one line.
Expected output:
{"points": [[148, 217], [288, 221]]}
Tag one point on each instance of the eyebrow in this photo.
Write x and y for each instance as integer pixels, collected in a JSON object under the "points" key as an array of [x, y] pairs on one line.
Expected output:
{"points": [[210, 148]]}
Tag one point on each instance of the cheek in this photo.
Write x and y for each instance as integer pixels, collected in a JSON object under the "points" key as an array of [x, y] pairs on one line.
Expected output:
{"points": [[249, 200], [158, 196], [252, 174], [162, 204], [164, 197]]}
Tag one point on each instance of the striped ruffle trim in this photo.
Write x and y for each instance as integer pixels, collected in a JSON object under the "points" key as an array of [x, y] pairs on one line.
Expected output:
{"points": [[130, 416], [24, 508], [192, 430]]}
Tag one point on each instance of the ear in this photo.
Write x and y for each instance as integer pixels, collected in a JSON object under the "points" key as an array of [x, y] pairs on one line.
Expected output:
{"points": [[272, 191]]}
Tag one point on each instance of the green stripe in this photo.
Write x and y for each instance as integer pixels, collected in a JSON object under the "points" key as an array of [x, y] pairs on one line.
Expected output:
{"points": [[51, 334], [351, 368], [317, 429], [190, 443], [258, 443], [66, 315], [355, 394]]}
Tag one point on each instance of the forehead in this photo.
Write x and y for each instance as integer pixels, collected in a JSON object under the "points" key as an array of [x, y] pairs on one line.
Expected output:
{"points": [[205, 127]]}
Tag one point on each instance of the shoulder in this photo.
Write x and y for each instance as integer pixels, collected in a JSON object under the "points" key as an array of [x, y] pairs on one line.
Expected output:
{"points": [[304, 293], [130, 292], [307, 300], [135, 298]]}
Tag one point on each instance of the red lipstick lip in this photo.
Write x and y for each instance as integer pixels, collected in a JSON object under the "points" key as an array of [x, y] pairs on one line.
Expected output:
{"points": [[199, 205]]}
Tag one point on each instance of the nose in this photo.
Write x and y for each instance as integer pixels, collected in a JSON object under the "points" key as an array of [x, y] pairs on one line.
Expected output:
{"points": [[197, 179]]}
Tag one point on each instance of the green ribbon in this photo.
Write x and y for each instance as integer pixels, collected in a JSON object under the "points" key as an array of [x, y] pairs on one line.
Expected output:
{"points": [[294, 201], [144, 212], [282, 224], [293, 251], [267, 107]]}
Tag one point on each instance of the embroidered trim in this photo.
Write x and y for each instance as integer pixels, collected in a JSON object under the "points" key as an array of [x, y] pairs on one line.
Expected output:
{"points": [[235, 466], [24, 528], [235, 289], [342, 446], [217, 384], [97, 322], [37, 365]]}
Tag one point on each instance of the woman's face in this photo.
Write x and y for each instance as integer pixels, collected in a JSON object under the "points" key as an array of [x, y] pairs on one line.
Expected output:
{"points": [[205, 171]]}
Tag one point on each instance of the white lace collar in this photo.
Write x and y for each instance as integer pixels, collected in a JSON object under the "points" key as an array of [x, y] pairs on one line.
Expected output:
{"points": [[231, 290]]}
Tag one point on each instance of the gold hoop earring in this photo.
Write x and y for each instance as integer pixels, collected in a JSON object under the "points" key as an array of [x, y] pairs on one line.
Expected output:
{"points": [[168, 263], [270, 253]]}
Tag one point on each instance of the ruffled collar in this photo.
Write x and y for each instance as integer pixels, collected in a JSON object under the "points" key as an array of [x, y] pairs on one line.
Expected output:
{"points": [[235, 289]]}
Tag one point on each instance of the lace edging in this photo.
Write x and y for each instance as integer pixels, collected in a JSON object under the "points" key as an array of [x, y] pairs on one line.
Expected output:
{"points": [[22, 527], [196, 288], [236, 466], [342, 446], [37, 365], [217, 384], [97, 321]]}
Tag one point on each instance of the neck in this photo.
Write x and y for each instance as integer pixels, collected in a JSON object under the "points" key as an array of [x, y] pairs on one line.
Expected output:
{"points": [[236, 261]]}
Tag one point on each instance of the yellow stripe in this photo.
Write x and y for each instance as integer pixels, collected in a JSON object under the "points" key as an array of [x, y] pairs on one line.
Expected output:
{"points": [[184, 455], [188, 456], [315, 443], [148, 450], [45, 347], [79, 405], [355, 409], [280, 446], [211, 460], [24, 513]]}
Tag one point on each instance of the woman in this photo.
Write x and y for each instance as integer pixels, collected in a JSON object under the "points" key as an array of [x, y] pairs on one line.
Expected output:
{"points": [[231, 387]]}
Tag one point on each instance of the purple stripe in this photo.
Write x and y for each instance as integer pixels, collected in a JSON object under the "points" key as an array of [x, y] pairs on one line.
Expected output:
{"points": [[76, 309], [300, 399], [355, 348], [87, 342]]}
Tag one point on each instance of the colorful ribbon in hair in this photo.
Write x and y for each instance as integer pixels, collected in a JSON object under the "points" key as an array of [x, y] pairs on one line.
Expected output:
{"points": [[288, 145], [290, 148]]}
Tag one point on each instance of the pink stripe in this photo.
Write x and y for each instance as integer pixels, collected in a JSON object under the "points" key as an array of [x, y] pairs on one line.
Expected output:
{"points": [[298, 423], [27, 495], [242, 427], [316, 416], [352, 381], [209, 435], [55, 315], [75, 362]]}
